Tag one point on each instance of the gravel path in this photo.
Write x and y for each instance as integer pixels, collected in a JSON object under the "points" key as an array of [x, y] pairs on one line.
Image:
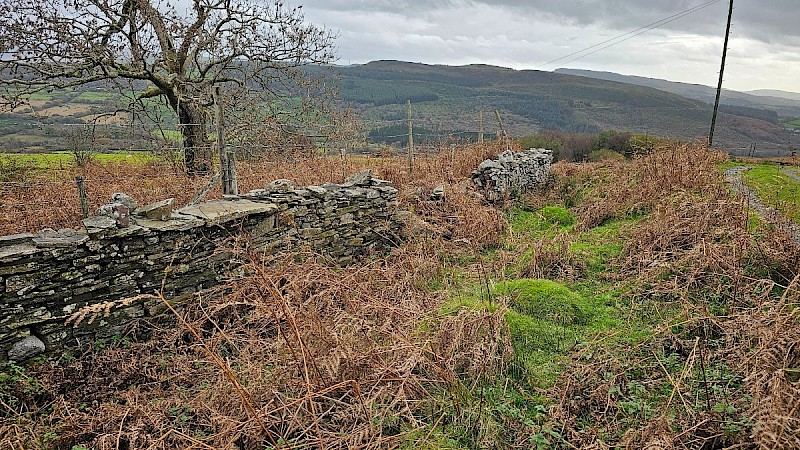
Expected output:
{"points": [[792, 173], [734, 177]]}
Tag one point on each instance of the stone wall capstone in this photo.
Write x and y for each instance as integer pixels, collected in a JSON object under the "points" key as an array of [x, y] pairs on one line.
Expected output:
{"points": [[510, 172], [63, 287]]}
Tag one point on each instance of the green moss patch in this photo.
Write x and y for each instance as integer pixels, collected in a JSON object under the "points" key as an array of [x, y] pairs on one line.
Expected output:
{"points": [[544, 299], [557, 215], [543, 220]]}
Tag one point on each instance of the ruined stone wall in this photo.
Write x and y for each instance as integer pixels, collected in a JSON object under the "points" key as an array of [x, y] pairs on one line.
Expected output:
{"points": [[510, 173], [104, 276]]}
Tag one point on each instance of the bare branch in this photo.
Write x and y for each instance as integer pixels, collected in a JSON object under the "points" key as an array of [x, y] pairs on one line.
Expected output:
{"points": [[252, 48]]}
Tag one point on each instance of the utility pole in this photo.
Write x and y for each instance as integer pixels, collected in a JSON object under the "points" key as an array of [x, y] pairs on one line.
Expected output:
{"points": [[410, 138], [721, 73]]}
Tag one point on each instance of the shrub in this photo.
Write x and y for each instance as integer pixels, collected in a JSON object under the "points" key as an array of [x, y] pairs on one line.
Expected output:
{"points": [[547, 139], [15, 170], [643, 144], [605, 155]]}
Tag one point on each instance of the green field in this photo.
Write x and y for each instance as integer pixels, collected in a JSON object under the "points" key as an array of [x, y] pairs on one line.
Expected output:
{"points": [[775, 187], [791, 124], [49, 160]]}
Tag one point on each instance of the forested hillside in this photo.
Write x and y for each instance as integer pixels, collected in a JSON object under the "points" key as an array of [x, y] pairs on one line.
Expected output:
{"points": [[446, 104], [448, 101]]}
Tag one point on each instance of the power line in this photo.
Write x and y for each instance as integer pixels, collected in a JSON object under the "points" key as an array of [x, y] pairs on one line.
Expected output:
{"points": [[629, 35]]}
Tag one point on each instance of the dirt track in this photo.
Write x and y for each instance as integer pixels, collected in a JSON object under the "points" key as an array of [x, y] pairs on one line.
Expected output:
{"points": [[792, 173], [734, 177]]}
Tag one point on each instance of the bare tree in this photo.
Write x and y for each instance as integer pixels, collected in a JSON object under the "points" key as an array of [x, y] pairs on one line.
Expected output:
{"points": [[81, 142], [252, 48]]}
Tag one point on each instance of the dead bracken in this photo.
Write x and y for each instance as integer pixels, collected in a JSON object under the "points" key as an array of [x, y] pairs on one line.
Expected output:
{"points": [[677, 327]]}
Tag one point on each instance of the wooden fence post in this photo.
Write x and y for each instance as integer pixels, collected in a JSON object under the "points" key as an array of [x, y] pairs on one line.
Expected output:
{"points": [[343, 155], [410, 139], [227, 158], [82, 196], [480, 127], [502, 132]]}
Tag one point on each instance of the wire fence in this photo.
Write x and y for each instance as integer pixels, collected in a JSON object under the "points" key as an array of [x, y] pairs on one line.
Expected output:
{"points": [[99, 159], [38, 192]]}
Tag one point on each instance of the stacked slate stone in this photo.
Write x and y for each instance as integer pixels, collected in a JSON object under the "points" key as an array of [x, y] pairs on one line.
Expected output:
{"points": [[59, 288], [345, 220], [511, 173]]}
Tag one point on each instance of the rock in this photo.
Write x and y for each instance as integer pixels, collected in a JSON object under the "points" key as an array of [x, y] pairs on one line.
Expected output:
{"points": [[511, 173], [157, 211], [280, 186], [505, 157], [489, 164], [15, 239], [117, 211], [126, 200], [258, 193], [26, 349], [98, 224], [363, 178], [438, 193], [316, 190], [63, 238]]}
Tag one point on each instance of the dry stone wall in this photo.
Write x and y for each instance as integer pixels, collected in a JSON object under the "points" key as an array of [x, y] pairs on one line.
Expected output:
{"points": [[509, 173], [62, 288]]}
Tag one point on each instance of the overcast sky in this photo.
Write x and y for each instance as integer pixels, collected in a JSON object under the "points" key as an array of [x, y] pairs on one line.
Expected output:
{"points": [[764, 52]]}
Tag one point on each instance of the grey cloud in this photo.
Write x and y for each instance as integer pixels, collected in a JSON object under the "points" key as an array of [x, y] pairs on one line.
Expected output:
{"points": [[527, 34], [762, 20], [403, 7]]}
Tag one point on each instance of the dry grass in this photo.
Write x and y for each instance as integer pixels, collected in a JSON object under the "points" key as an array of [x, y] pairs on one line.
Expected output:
{"points": [[299, 354], [622, 189], [328, 358], [720, 369], [48, 198], [786, 160]]}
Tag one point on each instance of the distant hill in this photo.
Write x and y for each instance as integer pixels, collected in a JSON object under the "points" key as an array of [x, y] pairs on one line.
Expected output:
{"points": [[777, 94], [447, 100], [786, 104]]}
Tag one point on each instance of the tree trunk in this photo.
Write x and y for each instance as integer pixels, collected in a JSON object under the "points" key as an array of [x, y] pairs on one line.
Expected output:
{"points": [[192, 122]]}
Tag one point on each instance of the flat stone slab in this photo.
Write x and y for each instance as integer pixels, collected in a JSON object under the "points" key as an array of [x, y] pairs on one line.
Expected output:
{"points": [[221, 211], [60, 241], [157, 211], [176, 222], [12, 252], [15, 239], [98, 224]]}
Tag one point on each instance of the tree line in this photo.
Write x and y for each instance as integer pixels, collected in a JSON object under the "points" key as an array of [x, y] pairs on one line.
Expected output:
{"points": [[578, 147]]}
